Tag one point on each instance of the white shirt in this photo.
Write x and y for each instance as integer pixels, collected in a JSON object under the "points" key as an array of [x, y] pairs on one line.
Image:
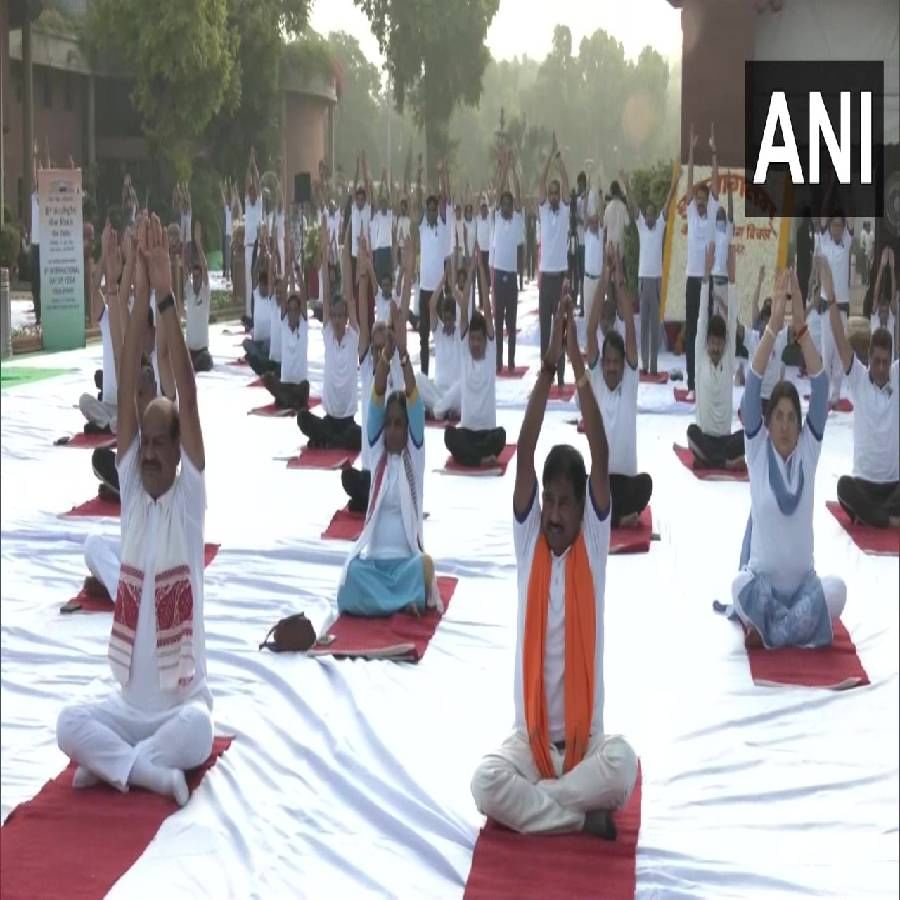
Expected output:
{"points": [[507, 233], [196, 309], [404, 226], [460, 228], [619, 411], [722, 241], [395, 382], [650, 260], [449, 230], [339, 387], [252, 220], [294, 352], [700, 232], [275, 330], [781, 547], [381, 230], [383, 306], [580, 215], [714, 383], [470, 228], [838, 256], [483, 229], [262, 316], [110, 387], [479, 382], [615, 219], [433, 252], [389, 539], [447, 357], [876, 424], [228, 220], [554, 238], [35, 220], [360, 220], [188, 499], [596, 539]]}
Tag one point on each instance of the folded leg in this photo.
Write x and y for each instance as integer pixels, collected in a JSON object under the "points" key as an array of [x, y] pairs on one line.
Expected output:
{"points": [[630, 495], [101, 554], [868, 502]]}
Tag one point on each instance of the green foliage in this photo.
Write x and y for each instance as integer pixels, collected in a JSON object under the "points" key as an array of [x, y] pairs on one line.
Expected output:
{"points": [[311, 243], [309, 55], [647, 185], [436, 57], [9, 246]]}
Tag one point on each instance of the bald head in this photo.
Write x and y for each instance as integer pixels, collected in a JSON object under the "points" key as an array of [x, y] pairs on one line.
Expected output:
{"points": [[160, 446]]}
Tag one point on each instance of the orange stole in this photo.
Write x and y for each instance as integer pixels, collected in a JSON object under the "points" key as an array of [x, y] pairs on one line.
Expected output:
{"points": [[580, 633]]}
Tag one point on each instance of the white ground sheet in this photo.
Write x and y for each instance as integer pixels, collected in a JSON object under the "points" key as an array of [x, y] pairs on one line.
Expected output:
{"points": [[351, 779]]}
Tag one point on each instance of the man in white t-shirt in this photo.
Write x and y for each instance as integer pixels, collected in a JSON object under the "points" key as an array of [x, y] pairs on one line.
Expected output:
{"points": [[834, 246], [651, 228], [196, 307], [290, 389], [381, 229], [554, 262], [253, 214], [711, 439], [594, 249], [870, 495], [558, 772], [484, 229], [360, 213], [723, 238], [477, 439], [403, 229], [159, 723], [257, 347], [337, 429], [432, 256], [616, 218], [508, 228], [701, 219], [581, 214], [615, 379]]}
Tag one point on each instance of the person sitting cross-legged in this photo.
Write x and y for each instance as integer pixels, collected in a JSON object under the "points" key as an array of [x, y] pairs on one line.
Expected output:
{"points": [[777, 594], [337, 429], [257, 347], [477, 439], [387, 570], [872, 493], [158, 724], [558, 771], [711, 439], [615, 380]]}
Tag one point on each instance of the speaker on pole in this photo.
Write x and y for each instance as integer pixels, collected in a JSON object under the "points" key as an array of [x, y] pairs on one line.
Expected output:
{"points": [[302, 188]]}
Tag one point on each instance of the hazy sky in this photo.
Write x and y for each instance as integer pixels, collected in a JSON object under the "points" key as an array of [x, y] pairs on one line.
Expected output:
{"points": [[526, 26]]}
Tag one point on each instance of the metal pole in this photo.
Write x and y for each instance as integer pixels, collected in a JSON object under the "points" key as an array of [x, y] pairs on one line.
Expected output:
{"points": [[5, 315]]}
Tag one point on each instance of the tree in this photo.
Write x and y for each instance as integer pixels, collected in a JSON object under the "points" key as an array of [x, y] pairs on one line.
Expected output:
{"points": [[436, 57], [183, 57]]}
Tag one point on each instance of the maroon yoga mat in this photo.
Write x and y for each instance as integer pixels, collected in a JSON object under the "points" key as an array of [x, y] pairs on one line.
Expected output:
{"points": [[876, 541], [78, 844]]}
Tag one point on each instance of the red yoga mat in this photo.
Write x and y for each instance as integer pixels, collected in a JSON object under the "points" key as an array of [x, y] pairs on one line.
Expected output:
{"points": [[271, 411], [681, 395], [875, 541], [843, 405], [88, 441], [564, 393], [78, 844], [238, 362], [687, 458], [257, 382], [633, 538], [659, 378], [836, 667], [517, 372], [322, 459], [344, 526], [451, 467], [511, 866], [401, 637], [91, 603], [94, 507]]}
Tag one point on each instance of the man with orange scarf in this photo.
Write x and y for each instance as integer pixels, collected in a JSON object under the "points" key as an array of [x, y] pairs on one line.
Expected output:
{"points": [[558, 771]]}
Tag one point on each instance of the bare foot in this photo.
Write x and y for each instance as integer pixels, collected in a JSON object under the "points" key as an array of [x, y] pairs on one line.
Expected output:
{"points": [[93, 587]]}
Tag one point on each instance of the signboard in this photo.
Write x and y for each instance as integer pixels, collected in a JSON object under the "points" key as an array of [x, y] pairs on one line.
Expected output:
{"points": [[758, 241], [62, 259]]}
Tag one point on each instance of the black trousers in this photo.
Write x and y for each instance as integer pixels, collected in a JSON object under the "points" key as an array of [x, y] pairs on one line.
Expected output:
{"points": [[424, 328], [469, 447], [257, 353], [381, 262], [486, 262], [330, 433], [530, 257], [103, 462], [286, 394], [579, 276], [630, 494], [869, 502], [692, 315], [714, 450], [548, 301], [357, 483], [520, 265], [201, 360], [506, 300]]}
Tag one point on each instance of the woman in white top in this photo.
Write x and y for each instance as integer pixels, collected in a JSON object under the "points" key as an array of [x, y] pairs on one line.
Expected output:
{"points": [[477, 440], [387, 570], [777, 594]]}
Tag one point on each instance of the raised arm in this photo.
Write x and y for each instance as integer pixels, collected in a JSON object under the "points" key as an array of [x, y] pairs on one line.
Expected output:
{"points": [[714, 183], [486, 288], [367, 181], [751, 406], [754, 307], [364, 271], [626, 311], [732, 300], [409, 376], [593, 345], [526, 477], [563, 179], [845, 351], [673, 186], [691, 144], [630, 202], [730, 201], [703, 321], [199, 255], [542, 184]]}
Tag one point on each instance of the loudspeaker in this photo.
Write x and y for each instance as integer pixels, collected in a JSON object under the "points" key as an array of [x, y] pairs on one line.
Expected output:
{"points": [[302, 188]]}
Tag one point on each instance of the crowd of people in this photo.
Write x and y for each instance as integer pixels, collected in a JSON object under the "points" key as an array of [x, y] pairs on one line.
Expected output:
{"points": [[450, 266]]}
